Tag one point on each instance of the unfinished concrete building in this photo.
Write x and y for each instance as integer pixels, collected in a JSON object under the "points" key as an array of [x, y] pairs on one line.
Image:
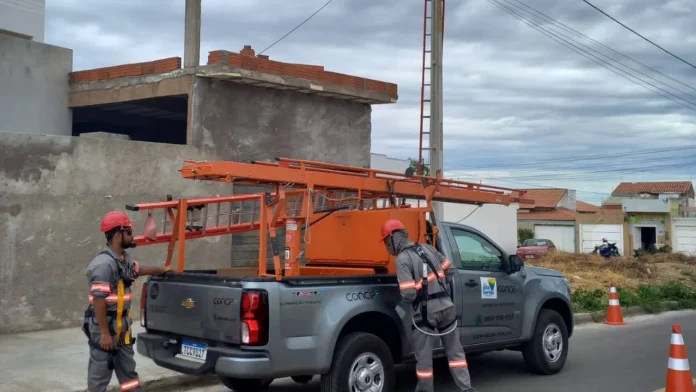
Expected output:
{"points": [[121, 137], [238, 106]]}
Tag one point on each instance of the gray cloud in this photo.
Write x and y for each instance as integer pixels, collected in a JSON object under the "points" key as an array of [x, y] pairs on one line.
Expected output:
{"points": [[511, 94]]}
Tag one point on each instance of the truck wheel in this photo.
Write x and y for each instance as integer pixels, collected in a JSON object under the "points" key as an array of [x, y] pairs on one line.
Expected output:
{"points": [[362, 362], [547, 351], [246, 384]]}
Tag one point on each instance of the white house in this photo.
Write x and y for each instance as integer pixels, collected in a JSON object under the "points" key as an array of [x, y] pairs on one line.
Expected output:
{"points": [[496, 221]]}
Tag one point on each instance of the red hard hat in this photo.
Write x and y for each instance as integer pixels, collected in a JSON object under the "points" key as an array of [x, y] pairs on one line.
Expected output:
{"points": [[114, 219], [391, 226]]}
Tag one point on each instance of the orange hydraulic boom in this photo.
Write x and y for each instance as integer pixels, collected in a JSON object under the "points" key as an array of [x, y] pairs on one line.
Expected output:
{"points": [[333, 211]]}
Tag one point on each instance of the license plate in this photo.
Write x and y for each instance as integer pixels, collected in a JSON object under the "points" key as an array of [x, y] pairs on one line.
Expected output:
{"points": [[194, 350], [529, 257]]}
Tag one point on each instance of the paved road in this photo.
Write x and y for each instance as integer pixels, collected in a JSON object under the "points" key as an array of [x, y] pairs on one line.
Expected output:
{"points": [[632, 358]]}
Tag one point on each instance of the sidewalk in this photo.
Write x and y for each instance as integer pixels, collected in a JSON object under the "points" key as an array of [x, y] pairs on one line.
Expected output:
{"points": [[56, 361]]}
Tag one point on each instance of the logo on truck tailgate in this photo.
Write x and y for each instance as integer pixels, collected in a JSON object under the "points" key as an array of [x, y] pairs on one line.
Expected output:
{"points": [[188, 303]]}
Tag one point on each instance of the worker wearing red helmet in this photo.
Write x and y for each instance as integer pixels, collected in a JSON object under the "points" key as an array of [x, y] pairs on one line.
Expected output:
{"points": [[108, 321], [434, 315]]}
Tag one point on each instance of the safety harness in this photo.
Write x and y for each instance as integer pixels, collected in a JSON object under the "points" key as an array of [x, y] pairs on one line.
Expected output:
{"points": [[124, 282], [423, 297]]}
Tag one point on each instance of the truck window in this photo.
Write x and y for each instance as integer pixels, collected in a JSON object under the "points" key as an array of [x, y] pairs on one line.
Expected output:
{"points": [[477, 253]]}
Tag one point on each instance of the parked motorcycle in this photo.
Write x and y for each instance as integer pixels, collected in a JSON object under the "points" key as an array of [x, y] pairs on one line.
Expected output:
{"points": [[606, 249]]}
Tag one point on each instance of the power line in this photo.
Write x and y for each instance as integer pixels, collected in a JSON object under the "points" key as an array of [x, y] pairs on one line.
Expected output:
{"points": [[527, 184], [298, 26], [581, 170], [636, 33], [568, 28], [590, 157], [593, 174], [564, 42]]}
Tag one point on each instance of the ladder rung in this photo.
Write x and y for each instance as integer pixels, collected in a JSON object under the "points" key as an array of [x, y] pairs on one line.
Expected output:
{"points": [[426, 85], [426, 100], [428, 51], [426, 116]]}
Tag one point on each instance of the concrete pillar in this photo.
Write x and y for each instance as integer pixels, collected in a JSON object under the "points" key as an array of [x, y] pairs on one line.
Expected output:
{"points": [[192, 34]]}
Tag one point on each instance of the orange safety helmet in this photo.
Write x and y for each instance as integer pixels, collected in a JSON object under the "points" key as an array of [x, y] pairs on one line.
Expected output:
{"points": [[114, 219], [391, 226]]}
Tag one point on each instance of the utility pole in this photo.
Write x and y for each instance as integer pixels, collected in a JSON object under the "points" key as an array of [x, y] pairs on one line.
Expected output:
{"points": [[435, 141], [192, 34]]}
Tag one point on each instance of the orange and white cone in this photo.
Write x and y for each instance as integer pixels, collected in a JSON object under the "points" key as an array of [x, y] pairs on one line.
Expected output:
{"points": [[678, 373], [614, 312]]}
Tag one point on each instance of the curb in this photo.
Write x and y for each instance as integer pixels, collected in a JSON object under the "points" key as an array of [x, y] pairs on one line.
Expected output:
{"points": [[601, 316], [176, 383]]}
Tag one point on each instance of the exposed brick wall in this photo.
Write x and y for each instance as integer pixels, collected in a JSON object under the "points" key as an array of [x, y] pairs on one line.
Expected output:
{"points": [[247, 59], [119, 71]]}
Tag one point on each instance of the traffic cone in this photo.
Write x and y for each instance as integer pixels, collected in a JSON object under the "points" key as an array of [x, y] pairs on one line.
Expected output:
{"points": [[614, 312], [678, 373]]}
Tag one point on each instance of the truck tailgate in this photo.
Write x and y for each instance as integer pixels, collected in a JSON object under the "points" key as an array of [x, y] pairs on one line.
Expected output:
{"points": [[195, 306]]}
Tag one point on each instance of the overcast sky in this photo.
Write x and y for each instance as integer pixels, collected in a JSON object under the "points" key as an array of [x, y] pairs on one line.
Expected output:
{"points": [[512, 95]]}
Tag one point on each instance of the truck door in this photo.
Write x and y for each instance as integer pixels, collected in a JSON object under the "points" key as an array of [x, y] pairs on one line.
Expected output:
{"points": [[490, 298]]}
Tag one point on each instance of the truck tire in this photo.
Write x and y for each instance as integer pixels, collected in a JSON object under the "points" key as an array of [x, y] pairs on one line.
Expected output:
{"points": [[546, 353], [246, 384], [360, 360]]}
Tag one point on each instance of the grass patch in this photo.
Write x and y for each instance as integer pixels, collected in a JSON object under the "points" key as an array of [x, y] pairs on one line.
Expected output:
{"points": [[651, 297]]}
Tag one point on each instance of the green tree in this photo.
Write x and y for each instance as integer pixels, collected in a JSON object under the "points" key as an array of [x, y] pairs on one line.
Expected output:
{"points": [[524, 235]]}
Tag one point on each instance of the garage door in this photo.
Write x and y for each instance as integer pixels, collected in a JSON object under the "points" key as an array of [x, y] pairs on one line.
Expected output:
{"points": [[685, 238], [591, 236], [562, 236]]}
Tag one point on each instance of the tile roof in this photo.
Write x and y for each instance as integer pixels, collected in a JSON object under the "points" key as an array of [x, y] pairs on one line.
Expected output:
{"points": [[557, 214], [631, 188], [581, 206], [548, 197]]}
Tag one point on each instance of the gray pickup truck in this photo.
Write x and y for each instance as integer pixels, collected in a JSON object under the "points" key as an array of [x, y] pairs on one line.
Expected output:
{"points": [[349, 330]]}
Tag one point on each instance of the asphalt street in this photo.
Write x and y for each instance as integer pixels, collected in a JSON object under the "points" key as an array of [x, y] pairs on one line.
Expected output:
{"points": [[630, 358]]}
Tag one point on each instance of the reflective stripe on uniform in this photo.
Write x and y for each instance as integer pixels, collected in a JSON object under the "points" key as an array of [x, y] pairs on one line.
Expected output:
{"points": [[446, 264], [458, 363], [128, 385], [113, 298], [424, 373], [412, 284], [119, 308], [101, 288]]}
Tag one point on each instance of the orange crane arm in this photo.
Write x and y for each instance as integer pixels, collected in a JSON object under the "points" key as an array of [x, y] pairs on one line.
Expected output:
{"points": [[367, 182], [357, 217]]}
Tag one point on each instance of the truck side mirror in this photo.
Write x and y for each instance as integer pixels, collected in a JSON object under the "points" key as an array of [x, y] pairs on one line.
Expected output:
{"points": [[516, 263]]}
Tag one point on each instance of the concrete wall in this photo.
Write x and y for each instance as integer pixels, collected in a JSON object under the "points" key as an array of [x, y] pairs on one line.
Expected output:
{"points": [[568, 200], [34, 87], [25, 17], [661, 222], [496, 221], [243, 122], [53, 193], [240, 122]]}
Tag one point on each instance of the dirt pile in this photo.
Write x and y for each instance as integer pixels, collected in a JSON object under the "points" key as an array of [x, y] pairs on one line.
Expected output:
{"points": [[589, 272]]}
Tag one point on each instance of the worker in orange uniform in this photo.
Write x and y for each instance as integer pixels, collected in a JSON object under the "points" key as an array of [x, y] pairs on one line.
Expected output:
{"points": [[108, 321], [434, 315]]}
